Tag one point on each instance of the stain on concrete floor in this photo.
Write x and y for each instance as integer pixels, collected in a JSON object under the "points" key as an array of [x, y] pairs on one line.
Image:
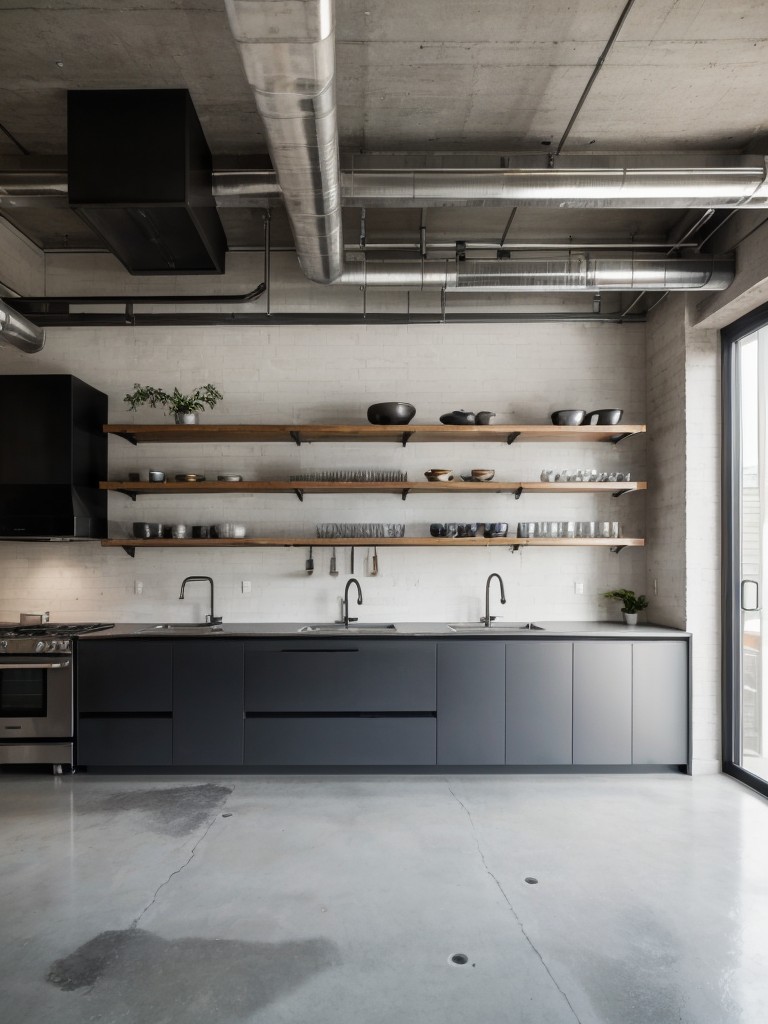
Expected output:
{"points": [[174, 810], [142, 977]]}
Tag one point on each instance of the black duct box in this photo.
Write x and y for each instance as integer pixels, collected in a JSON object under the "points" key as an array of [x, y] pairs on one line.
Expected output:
{"points": [[140, 176]]}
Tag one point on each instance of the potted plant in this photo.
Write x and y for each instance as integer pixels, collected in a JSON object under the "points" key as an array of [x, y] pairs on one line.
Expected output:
{"points": [[631, 603], [184, 407]]}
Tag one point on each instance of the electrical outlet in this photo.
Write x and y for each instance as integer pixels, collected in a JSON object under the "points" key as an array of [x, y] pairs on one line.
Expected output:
{"points": [[138, 587], [578, 588], [246, 586]]}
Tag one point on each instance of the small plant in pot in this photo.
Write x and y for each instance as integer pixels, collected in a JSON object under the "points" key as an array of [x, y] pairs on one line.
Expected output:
{"points": [[184, 407], [631, 603]]}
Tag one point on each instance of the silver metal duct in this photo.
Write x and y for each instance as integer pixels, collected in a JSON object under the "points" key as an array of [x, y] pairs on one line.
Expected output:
{"points": [[287, 49], [594, 187], [16, 330], [570, 274]]}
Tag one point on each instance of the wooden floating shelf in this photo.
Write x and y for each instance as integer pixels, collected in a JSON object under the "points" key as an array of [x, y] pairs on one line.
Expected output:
{"points": [[130, 544], [134, 488], [221, 433]]}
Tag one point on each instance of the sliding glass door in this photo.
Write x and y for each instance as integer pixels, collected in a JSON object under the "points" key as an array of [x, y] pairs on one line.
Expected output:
{"points": [[745, 694]]}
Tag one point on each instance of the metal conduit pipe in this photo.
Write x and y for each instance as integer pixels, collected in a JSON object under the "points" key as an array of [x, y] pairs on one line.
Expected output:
{"points": [[574, 274], [287, 51], [16, 330]]}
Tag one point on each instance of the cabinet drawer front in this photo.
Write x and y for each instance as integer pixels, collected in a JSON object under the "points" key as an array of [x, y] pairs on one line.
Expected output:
{"points": [[339, 741], [342, 676], [127, 675], [124, 741]]}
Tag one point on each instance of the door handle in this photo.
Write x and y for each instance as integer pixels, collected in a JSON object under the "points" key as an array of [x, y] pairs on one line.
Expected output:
{"points": [[5, 665], [756, 606]]}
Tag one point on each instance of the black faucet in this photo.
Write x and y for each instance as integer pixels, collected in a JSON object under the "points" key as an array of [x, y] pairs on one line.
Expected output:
{"points": [[488, 616], [212, 619], [345, 601]]}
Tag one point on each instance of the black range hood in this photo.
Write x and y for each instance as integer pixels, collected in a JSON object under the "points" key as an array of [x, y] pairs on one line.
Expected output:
{"points": [[53, 453], [140, 175]]}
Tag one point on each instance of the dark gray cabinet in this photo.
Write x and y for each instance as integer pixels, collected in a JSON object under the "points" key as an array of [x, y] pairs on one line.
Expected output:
{"points": [[124, 703], [660, 702], [340, 740], [470, 703], [208, 702], [602, 703], [539, 705]]}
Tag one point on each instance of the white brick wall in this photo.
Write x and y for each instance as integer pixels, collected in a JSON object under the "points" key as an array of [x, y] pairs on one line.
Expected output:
{"points": [[331, 373]]}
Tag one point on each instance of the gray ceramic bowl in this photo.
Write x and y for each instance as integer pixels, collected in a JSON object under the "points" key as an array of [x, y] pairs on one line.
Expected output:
{"points": [[388, 413], [604, 417], [568, 417]]}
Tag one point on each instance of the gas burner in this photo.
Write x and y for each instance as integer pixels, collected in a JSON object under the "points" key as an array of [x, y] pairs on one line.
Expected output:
{"points": [[54, 629]]}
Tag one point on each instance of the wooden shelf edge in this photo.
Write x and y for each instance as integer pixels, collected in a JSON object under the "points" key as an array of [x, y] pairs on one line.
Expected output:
{"points": [[345, 542], [369, 487]]}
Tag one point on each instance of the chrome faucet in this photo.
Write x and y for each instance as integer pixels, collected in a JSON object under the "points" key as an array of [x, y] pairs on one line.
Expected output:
{"points": [[488, 616], [345, 617], [212, 619]]}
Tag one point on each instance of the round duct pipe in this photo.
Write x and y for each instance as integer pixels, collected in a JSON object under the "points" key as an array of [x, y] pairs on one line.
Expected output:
{"points": [[16, 330]]}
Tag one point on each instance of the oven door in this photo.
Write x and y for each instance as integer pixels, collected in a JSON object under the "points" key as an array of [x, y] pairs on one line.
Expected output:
{"points": [[35, 698]]}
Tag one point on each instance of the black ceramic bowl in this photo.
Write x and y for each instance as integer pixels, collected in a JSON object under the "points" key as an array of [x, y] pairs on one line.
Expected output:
{"points": [[605, 417], [437, 529], [495, 529], [568, 417], [388, 413]]}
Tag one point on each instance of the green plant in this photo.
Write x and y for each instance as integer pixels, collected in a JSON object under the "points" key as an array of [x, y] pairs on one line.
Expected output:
{"points": [[196, 401], [630, 601]]}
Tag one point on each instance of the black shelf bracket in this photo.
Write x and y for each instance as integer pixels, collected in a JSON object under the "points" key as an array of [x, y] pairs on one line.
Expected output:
{"points": [[299, 493], [618, 438], [405, 492], [515, 547], [130, 550], [511, 438], [296, 435], [407, 435], [518, 493], [128, 437], [131, 494], [624, 490], [617, 548]]}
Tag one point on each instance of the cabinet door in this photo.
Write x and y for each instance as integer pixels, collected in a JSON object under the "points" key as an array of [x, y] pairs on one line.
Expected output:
{"points": [[602, 703], [539, 702], [208, 702], [340, 675], [470, 702], [340, 741], [660, 702], [124, 675], [124, 742]]}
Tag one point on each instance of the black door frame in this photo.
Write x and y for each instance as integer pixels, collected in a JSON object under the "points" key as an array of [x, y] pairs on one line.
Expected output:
{"points": [[731, 554]]}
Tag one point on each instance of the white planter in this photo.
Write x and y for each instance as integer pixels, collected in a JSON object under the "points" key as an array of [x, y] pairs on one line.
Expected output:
{"points": [[187, 417], [630, 618]]}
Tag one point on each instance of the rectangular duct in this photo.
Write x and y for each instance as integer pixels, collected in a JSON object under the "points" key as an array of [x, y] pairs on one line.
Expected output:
{"points": [[140, 176]]}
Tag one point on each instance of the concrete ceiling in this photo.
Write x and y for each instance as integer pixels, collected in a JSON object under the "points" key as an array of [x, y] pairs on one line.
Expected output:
{"points": [[434, 77]]}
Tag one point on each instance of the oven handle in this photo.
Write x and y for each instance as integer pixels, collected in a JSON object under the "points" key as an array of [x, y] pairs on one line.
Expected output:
{"points": [[32, 664]]}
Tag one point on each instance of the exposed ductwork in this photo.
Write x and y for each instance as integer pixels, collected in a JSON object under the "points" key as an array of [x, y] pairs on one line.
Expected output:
{"points": [[569, 274], [16, 330], [287, 50]]}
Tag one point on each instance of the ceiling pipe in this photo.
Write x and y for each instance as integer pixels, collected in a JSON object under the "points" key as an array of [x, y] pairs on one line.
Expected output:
{"points": [[568, 274], [16, 330], [287, 50], [625, 187]]}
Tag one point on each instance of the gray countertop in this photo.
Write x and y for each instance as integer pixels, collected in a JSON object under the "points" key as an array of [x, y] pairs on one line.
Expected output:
{"points": [[440, 630]]}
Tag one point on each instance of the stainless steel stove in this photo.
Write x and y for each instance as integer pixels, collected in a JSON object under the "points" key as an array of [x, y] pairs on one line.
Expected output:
{"points": [[36, 692]]}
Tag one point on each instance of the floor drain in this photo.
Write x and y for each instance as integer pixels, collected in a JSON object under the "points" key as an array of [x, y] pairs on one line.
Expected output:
{"points": [[531, 880], [459, 958]]}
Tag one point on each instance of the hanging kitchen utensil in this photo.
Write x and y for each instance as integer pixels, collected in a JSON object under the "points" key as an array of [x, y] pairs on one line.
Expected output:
{"points": [[375, 563], [352, 561], [334, 569], [310, 564]]}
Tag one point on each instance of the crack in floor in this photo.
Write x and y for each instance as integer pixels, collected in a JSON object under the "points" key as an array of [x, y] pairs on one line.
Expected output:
{"points": [[507, 900], [177, 871]]}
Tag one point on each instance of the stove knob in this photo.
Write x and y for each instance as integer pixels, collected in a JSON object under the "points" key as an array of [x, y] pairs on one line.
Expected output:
{"points": [[39, 646], [3, 644]]}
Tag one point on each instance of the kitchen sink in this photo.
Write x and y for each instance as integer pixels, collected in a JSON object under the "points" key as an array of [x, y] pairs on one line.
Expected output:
{"points": [[354, 627], [184, 627], [480, 627]]}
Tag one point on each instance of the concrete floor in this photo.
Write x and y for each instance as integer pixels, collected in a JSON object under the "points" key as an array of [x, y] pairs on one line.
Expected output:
{"points": [[210, 900]]}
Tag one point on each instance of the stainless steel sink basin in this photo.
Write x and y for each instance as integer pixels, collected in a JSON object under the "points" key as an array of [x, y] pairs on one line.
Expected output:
{"points": [[354, 627], [480, 627], [184, 627]]}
